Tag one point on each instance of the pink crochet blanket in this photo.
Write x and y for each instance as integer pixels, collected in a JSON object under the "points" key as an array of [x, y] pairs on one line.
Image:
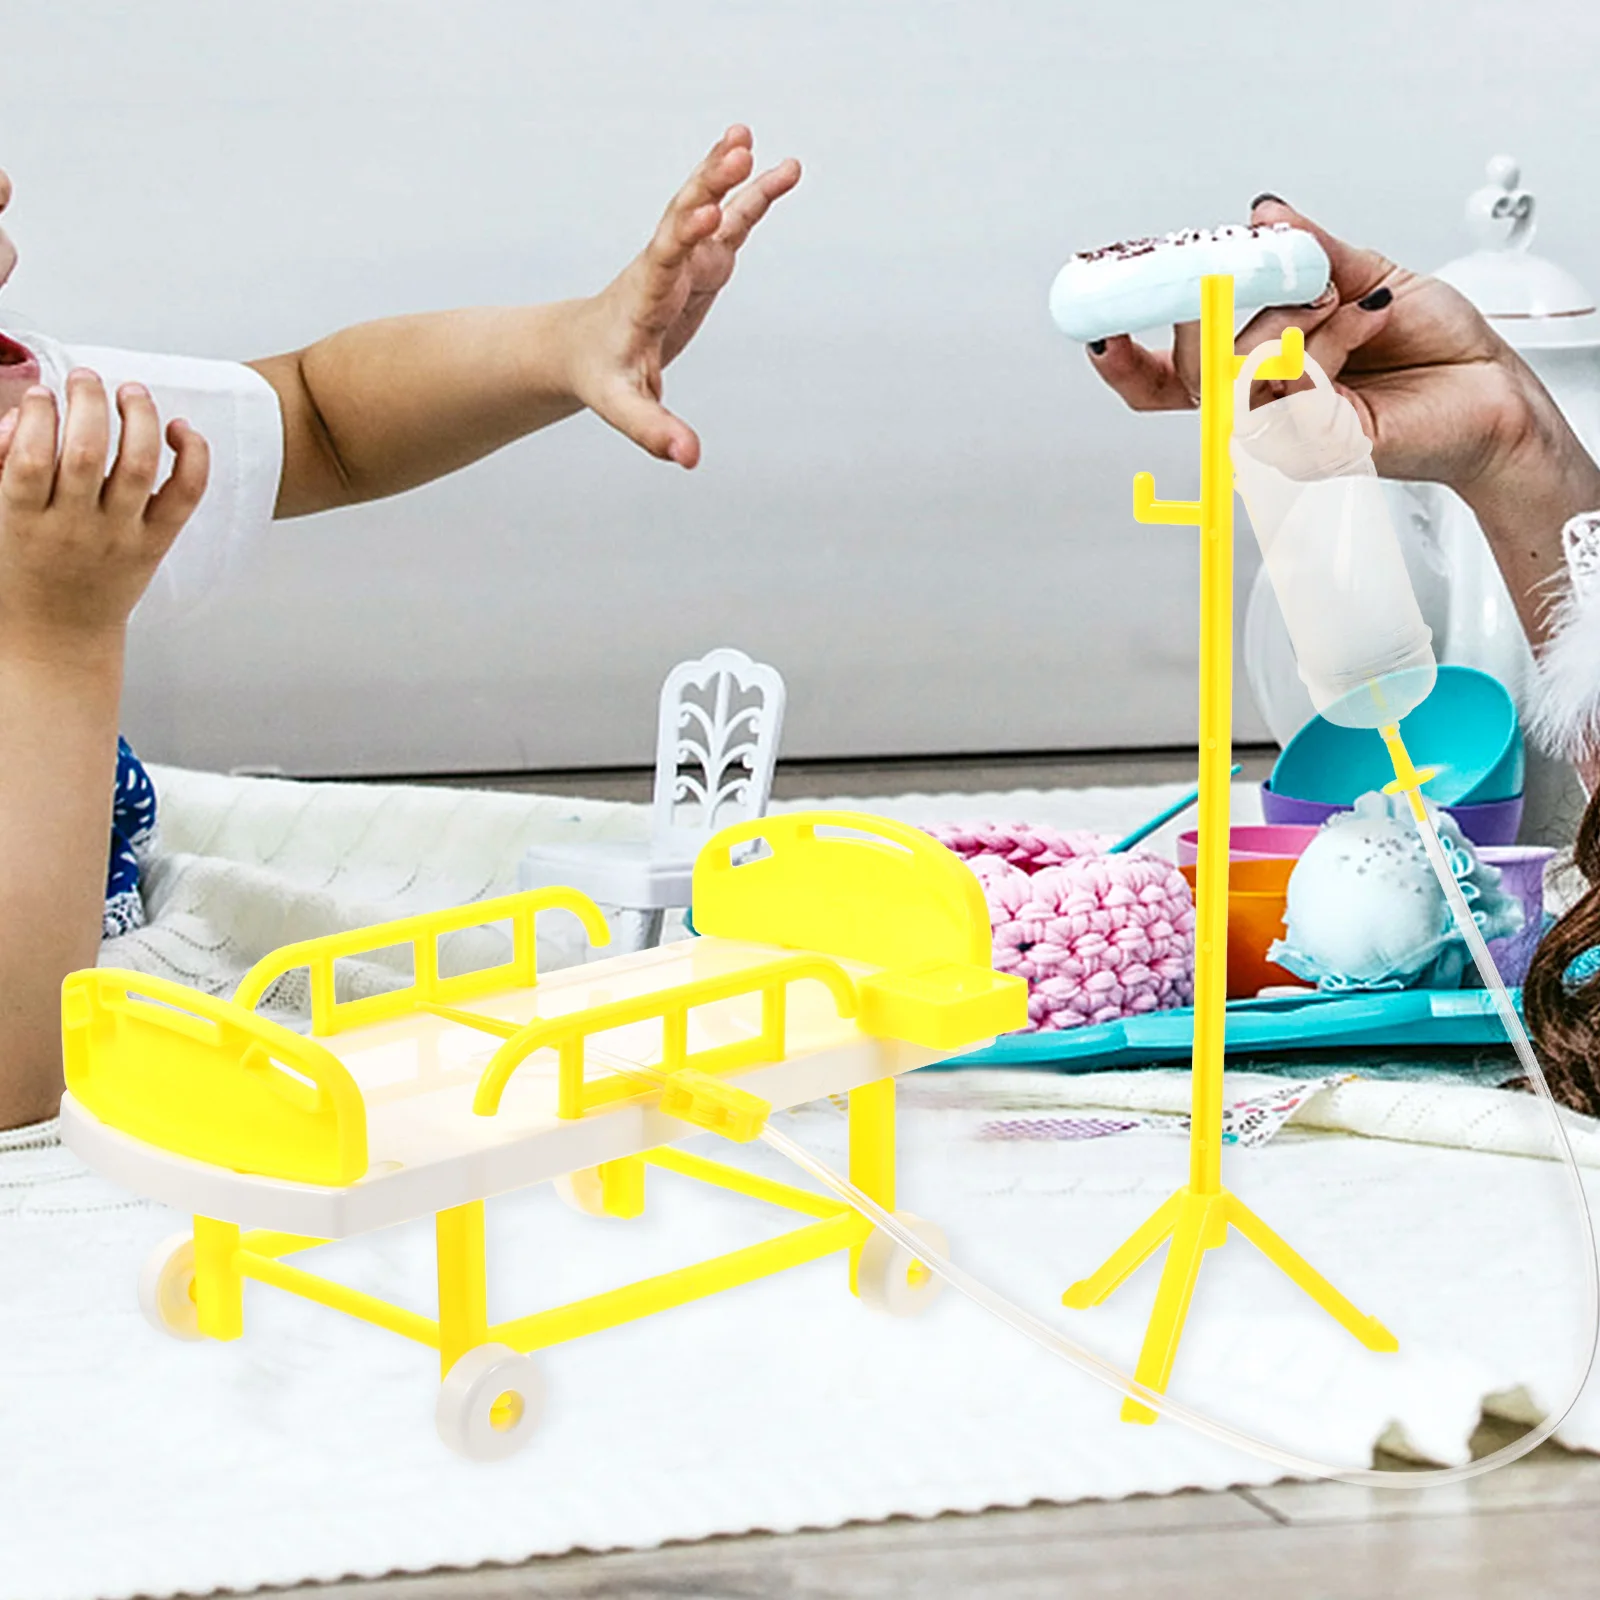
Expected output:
{"points": [[1097, 937]]}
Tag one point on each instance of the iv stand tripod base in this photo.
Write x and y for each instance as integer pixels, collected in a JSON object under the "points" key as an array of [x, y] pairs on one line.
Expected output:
{"points": [[1196, 1223]]}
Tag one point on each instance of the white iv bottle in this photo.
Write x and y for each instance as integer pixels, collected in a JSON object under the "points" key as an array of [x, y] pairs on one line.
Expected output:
{"points": [[1303, 465]]}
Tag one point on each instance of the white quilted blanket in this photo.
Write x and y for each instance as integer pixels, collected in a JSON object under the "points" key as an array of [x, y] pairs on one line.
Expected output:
{"points": [[245, 865]]}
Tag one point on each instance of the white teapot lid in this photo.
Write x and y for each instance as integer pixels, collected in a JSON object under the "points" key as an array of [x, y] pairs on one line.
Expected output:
{"points": [[1531, 301]]}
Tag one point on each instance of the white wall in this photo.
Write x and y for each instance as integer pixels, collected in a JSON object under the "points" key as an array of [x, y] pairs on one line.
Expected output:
{"points": [[914, 498]]}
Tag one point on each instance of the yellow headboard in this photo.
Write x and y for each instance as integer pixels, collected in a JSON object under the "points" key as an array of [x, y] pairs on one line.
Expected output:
{"points": [[843, 884], [206, 1079]]}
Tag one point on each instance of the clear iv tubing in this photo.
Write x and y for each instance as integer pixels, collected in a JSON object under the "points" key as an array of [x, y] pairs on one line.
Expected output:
{"points": [[1103, 1371]]}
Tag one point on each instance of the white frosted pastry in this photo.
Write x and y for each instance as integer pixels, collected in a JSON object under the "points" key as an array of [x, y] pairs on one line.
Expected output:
{"points": [[1149, 283], [1364, 910]]}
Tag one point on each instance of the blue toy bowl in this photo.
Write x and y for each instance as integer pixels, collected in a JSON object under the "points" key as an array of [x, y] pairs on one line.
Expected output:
{"points": [[1467, 728]]}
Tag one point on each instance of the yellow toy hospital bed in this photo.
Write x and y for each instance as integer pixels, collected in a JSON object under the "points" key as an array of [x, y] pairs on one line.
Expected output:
{"points": [[837, 952]]}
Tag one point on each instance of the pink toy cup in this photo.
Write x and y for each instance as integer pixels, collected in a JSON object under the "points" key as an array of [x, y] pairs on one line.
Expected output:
{"points": [[1253, 842]]}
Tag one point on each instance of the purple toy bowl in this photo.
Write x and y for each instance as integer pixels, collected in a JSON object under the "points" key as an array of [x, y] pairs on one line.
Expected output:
{"points": [[1250, 843], [1495, 822], [1522, 874]]}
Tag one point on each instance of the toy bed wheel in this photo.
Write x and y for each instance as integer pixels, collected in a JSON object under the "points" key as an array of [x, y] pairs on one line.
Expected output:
{"points": [[166, 1288], [490, 1403], [890, 1279]]}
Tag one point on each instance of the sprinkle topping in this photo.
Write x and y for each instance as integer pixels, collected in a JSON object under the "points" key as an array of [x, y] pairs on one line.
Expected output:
{"points": [[1129, 249]]}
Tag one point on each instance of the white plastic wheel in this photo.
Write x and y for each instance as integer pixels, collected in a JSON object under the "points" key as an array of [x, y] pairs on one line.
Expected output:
{"points": [[490, 1403], [890, 1279], [583, 1191], [166, 1288]]}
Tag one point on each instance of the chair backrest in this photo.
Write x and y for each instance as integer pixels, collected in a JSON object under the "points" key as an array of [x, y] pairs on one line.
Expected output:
{"points": [[716, 746]]}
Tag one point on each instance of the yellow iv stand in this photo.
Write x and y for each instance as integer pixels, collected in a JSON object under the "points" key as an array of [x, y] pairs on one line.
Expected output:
{"points": [[1197, 1218]]}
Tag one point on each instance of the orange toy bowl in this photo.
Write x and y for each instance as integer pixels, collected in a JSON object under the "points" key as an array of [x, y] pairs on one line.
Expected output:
{"points": [[1257, 897]]}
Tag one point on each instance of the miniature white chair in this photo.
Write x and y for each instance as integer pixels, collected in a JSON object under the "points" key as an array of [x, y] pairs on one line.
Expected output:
{"points": [[716, 747]]}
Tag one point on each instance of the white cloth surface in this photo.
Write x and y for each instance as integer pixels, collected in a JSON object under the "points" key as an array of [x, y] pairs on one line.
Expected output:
{"points": [[236, 411], [137, 1465], [134, 1464]]}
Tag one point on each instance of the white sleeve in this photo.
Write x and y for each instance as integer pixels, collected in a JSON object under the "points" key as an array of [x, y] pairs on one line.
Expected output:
{"points": [[236, 411]]}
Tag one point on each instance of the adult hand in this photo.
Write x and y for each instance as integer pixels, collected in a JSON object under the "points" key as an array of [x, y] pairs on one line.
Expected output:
{"points": [[1441, 395], [626, 335]]}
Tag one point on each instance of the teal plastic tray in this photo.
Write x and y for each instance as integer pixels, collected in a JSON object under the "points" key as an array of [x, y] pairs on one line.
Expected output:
{"points": [[1396, 1019]]}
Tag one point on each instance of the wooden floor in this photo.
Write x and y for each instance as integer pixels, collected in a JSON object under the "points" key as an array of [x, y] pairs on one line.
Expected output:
{"points": [[801, 780], [1530, 1531]]}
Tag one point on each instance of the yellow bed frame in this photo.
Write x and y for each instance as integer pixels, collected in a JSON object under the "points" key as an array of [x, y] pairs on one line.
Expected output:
{"points": [[837, 951]]}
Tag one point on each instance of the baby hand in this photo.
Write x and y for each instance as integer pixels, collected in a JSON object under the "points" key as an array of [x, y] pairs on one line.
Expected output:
{"points": [[78, 544], [628, 333]]}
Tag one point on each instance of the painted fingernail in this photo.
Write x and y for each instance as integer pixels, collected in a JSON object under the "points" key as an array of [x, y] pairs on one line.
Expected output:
{"points": [[1377, 300], [1097, 347], [1266, 195]]}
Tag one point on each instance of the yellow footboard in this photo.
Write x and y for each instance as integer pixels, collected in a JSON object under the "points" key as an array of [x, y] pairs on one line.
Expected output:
{"points": [[208, 1079]]}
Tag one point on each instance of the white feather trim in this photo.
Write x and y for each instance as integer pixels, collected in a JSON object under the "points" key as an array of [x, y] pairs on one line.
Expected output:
{"points": [[1564, 711]]}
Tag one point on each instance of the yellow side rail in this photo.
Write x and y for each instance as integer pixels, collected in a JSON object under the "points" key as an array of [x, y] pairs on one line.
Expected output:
{"points": [[423, 933], [771, 980]]}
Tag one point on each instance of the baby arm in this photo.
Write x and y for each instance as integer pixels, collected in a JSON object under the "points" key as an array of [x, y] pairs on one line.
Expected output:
{"points": [[388, 405], [78, 545]]}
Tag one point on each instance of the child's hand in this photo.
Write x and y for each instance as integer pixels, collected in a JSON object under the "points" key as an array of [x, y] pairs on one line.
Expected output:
{"points": [[79, 545], [628, 333]]}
